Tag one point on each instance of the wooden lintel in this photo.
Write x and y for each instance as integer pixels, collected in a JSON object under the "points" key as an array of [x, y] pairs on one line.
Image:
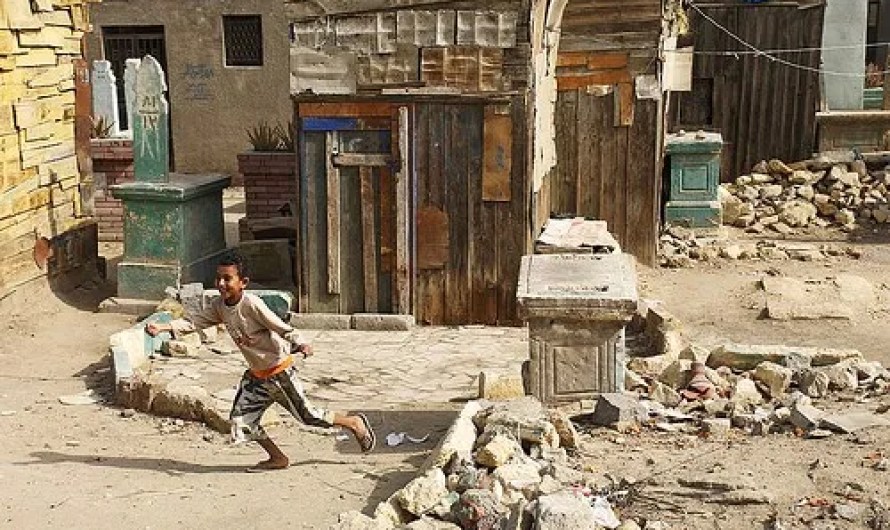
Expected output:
{"points": [[605, 77], [362, 159], [333, 214]]}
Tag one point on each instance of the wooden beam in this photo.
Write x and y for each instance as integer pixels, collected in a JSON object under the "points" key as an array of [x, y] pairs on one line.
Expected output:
{"points": [[403, 248], [345, 110], [624, 105], [369, 238], [333, 214], [362, 159], [605, 77]]}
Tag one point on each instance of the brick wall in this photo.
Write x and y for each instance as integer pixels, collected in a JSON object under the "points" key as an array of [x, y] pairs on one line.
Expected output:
{"points": [[112, 164], [39, 174], [270, 181]]}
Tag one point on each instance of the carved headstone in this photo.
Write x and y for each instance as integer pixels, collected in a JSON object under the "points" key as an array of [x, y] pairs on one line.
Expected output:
{"points": [[105, 95], [132, 66], [151, 125]]}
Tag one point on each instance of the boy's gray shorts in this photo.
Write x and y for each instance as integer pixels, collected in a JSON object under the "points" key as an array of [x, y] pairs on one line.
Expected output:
{"points": [[255, 395]]}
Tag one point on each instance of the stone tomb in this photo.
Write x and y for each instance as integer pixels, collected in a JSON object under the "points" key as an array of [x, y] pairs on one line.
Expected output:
{"points": [[576, 306], [173, 224]]}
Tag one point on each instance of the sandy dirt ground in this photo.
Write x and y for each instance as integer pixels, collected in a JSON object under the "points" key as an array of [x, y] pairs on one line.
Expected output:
{"points": [[91, 466]]}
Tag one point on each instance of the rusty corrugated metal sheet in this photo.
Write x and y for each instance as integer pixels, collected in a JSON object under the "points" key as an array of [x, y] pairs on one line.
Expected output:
{"points": [[763, 108]]}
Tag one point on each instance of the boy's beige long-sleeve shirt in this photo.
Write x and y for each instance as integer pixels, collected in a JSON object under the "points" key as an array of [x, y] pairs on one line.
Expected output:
{"points": [[264, 339]]}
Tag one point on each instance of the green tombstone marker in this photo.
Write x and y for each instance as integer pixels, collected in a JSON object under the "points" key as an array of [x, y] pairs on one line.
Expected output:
{"points": [[151, 128], [173, 223]]}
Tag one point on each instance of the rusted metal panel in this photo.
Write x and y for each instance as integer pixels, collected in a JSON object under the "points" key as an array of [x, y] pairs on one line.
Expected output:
{"points": [[425, 28], [325, 71], [463, 67], [486, 28], [498, 152], [389, 69]]}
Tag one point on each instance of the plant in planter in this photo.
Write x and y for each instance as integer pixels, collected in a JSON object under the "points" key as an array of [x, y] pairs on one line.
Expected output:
{"points": [[100, 127], [267, 139]]}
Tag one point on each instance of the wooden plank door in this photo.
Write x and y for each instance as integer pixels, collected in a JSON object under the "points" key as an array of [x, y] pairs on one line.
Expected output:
{"points": [[349, 215]]}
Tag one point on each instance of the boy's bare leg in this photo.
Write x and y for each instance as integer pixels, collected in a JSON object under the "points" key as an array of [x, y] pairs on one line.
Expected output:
{"points": [[277, 459], [354, 423]]}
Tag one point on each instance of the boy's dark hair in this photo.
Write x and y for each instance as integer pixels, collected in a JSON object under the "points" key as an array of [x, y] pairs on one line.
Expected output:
{"points": [[233, 259]]}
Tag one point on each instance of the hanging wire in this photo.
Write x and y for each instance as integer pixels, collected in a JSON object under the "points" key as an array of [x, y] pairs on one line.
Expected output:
{"points": [[761, 53]]}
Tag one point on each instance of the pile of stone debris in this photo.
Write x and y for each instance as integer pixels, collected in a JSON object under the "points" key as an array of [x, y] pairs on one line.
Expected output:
{"points": [[681, 247], [826, 190], [759, 389], [501, 466]]}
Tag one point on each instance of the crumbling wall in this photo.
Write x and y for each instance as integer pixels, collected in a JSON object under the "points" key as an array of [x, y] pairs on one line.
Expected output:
{"points": [[39, 175]]}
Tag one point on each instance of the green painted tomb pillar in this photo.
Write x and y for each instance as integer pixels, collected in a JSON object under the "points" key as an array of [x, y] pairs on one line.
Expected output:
{"points": [[174, 231], [694, 180]]}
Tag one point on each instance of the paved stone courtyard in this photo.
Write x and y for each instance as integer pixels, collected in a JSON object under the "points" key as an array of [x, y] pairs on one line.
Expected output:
{"points": [[358, 369]]}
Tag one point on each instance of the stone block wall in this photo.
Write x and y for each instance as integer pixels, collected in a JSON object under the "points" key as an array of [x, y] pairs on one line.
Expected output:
{"points": [[39, 175], [112, 164], [270, 181]]}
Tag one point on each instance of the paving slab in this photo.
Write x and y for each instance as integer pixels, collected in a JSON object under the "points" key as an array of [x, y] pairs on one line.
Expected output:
{"points": [[350, 370]]}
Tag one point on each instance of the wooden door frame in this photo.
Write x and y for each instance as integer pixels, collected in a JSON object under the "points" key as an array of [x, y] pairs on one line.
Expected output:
{"points": [[338, 116]]}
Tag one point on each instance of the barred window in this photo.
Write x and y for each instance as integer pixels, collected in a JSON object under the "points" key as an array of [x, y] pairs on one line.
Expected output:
{"points": [[243, 40]]}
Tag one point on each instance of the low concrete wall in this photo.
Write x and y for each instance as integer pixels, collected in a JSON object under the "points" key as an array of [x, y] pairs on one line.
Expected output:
{"points": [[863, 130]]}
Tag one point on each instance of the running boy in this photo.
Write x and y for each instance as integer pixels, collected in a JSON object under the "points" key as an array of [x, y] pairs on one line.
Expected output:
{"points": [[267, 344]]}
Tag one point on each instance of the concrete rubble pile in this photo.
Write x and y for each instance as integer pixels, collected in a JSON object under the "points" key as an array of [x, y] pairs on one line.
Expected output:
{"points": [[676, 386], [681, 247], [500, 466], [831, 189]]}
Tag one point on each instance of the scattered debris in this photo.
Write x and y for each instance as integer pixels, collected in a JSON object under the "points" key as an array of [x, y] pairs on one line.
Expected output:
{"points": [[87, 397]]}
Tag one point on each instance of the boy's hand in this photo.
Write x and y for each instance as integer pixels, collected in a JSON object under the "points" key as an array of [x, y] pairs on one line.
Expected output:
{"points": [[304, 349]]}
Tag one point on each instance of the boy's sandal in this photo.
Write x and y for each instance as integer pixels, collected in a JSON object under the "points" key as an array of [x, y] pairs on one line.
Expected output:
{"points": [[369, 440]]}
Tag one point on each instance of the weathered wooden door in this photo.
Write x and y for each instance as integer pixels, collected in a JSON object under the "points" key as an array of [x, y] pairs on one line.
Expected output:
{"points": [[349, 207]]}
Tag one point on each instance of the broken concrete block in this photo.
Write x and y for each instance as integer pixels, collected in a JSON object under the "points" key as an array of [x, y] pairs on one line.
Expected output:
{"points": [[777, 378], [382, 322], [460, 438], [653, 365], [498, 451], [806, 417], [745, 393], [568, 435], [664, 394], [633, 380], [716, 426], [814, 383], [563, 511], [677, 374], [423, 493], [525, 416], [664, 332], [519, 475], [744, 357], [428, 523], [612, 408], [178, 348], [320, 321], [475, 506], [355, 520], [497, 387], [851, 422], [841, 376], [694, 352]]}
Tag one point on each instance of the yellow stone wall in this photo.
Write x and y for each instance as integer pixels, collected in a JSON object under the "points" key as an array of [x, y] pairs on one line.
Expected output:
{"points": [[39, 177]]}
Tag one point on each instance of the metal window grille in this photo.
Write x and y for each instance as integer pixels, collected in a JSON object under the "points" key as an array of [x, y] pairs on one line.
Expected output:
{"points": [[243, 36]]}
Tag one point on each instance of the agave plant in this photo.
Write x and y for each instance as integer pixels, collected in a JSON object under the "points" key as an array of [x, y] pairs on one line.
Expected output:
{"points": [[286, 137], [264, 138], [100, 127]]}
